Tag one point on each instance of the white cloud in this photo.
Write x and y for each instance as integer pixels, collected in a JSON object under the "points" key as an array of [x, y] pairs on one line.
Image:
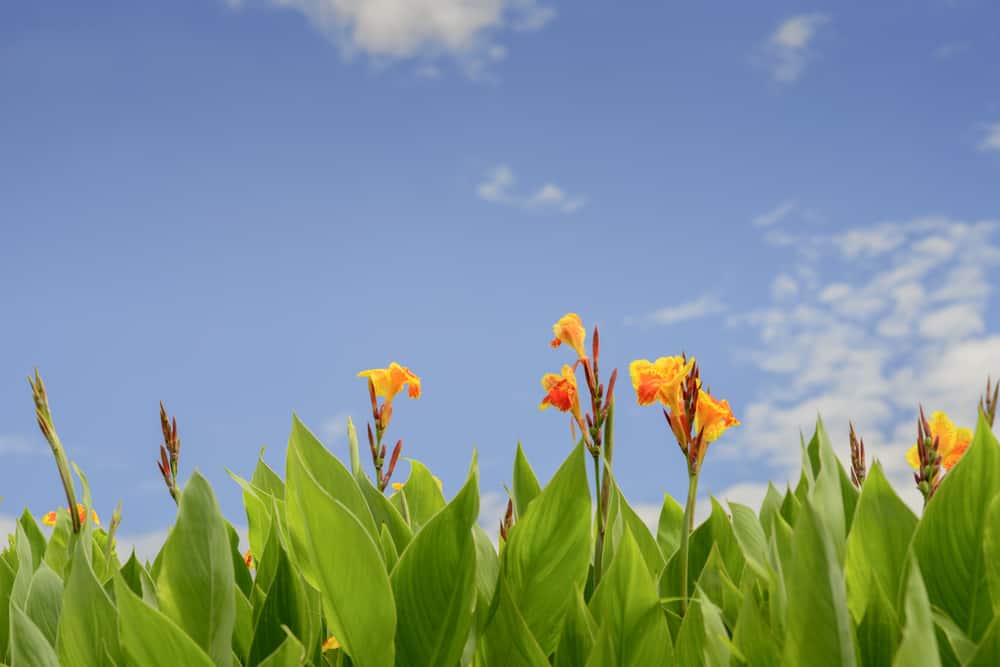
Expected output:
{"points": [[398, 29], [335, 427], [784, 287], [705, 305], [17, 444], [902, 325], [775, 215], [787, 49], [991, 138], [498, 188]]}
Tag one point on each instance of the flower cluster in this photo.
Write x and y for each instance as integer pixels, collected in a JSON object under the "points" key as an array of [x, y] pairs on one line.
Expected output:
{"points": [[386, 383]]}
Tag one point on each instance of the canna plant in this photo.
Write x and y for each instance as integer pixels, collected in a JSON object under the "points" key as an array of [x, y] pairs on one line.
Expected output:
{"points": [[835, 571]]}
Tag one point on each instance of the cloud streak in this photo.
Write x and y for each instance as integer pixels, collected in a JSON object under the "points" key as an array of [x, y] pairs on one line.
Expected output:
{"points": [[787, 50], [498, 188]]}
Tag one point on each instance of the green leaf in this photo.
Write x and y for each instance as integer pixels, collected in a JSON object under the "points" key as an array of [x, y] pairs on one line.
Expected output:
{"points": [[949, 540], [508, 640], [626, 605], [878, 543], [45, 601], [139, 581], [291, 653], [57, 551], [548, 555], [991, 552], [670, 526], [35, 536], [577, 639], [385, 514], [717, 651], [879, 631], [790, 507], [28, 645], [952, 636], [243, 627], [918, 647], [648, 546], [388, 548], [422, 495], [266, 479], [257, 504], [770, 507], [150, 638], [988, 651], [434, 583], [690, 648], [754, 637], [487, 571], [352, 445], [195, 581], [285, 606], [715, 531], [342, 559], [6, 585], [88, 626], [826, 493], [818, 630], [751, 538], [526, 486]]}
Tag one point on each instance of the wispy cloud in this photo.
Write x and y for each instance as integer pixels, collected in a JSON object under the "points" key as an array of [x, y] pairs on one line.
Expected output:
{"points": [[335, 427], [787, 51], [498, 188], [991, 138], [775, 215], [465, 30], [16, 444], [705, 305], [902, 324]]}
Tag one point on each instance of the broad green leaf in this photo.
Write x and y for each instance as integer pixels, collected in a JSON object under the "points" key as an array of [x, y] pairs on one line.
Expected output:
{"points": [[487, 571], [257, 504], [28, 645], [342, 559], [715, 585], [139, 581], [88, 625], [644, 539], [284, 606], [241, 573], [243, 626], [266, 479], [6, 584], [949, 539], [57, 551], [508, 640], [577, 640], [790, 507], [826, 494], [950, 636], [151, 639], [423, 495], [548, 554], [291, 653], [878, 631], [918, 647], [625, 602], [991, 551], [195, 581], [690, 647], [751, 538], [45, 601], [526, 486], [716, 531], [35, 536], [670, 526], [878, 543], [388, 548], [754, 637], [818, 630], [717, 651], [988, 651], [434, 583], [385, 514], [770, 507]]}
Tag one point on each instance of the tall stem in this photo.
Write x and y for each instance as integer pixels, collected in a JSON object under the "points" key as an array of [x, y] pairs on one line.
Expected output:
{"points": [[685, 537], [599, 542]]}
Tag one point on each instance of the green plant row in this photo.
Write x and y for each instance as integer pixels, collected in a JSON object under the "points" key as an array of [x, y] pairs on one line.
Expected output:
{"points": [[823, 574]]}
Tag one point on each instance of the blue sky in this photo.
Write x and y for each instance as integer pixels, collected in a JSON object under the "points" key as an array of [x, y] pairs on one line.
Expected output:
{"points": [[235, 207]]}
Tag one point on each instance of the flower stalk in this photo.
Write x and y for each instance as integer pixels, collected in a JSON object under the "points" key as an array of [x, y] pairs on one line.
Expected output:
{"points": [[386, 383], [170, 453], [988, 402], [858, 466], [44, 415]]}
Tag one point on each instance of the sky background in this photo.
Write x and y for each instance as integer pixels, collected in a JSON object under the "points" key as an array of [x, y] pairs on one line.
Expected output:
{"points": [[234, 207]]}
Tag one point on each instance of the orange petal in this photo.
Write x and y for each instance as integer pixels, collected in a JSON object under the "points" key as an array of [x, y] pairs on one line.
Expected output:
{"points": [[248, 559], [331, 644], [569, 329], [49, 519], [713, 416], [954, 455]]}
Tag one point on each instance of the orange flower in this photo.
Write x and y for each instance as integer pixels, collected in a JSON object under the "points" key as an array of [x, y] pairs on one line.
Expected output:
{"points": [[561, 392], [50, 518], [714, 416], [331, 644], [389, 381], [952, 442], [660, 380], [569, 329], [248, 559]]}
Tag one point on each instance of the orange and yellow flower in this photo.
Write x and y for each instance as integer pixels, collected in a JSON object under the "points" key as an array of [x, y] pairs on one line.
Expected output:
{"points": [[248, 559], [714, 416], [952, 442], [561, 392], [569, 329], [331, 644], [390, 381], [660, 380], [50, 518]]}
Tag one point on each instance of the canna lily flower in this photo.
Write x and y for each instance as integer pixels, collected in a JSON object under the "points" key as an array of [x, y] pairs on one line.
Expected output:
{"points": [[389, 381], [569, 329], [50, 518], [248, 559], [398, 486], [660, 380], [331, 644], [561, 392], [714, 416], [952, 442]]}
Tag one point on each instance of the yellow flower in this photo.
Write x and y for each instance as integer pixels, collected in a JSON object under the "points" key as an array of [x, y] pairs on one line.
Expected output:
{"points": [[389, 381], [331, 644], [714, 416], [398, 486], [660, 380], [561, 392], [952, 442], [569, 329], [50, 518], [248, 559]]}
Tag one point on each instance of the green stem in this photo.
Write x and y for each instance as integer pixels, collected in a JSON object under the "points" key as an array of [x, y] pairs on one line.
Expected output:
{"points": [[685, 537], [599, 542]]}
